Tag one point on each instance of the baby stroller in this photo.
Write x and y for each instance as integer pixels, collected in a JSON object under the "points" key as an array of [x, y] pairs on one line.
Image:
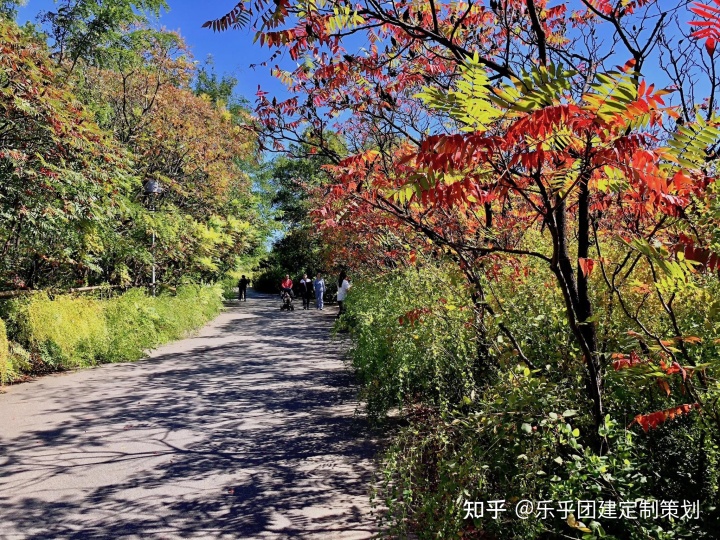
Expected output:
{"points": [[287, 301]]}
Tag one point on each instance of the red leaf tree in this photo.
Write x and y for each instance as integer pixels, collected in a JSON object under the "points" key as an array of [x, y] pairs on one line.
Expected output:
{"points": [[474, 123]]}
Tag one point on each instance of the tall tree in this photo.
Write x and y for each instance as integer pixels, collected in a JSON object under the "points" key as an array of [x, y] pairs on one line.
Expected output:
{"points": [[75, 152], [194, 145], [289, 183], [85, 29], [57, 168], [475, 122], [9, 8]]}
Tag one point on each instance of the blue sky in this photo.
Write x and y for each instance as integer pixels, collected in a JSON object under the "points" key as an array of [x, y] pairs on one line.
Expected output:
{"points": [[233, 51]]}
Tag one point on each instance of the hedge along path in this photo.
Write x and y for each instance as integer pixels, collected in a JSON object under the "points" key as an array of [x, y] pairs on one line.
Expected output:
{"points": [[4, 353], [246, 430]]}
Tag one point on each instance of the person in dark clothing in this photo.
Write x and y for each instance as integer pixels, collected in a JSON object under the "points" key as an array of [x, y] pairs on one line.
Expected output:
{"points": [[242, 288], [306, 288]]}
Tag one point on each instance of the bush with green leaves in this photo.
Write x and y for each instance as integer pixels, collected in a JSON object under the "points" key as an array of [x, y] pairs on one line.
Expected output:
{"points": [[229, 286], [268, 281], [69, 331], [140, 322], [527, 432], [413, 339], [491, 451], [4, 354], [521, 441]]}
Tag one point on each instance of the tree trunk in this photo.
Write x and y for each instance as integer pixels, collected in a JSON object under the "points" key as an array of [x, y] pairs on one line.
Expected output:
{"points": [[574, 286]]}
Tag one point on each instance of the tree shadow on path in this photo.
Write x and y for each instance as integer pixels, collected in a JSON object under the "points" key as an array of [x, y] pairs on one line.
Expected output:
{"points": [[245, 431]]}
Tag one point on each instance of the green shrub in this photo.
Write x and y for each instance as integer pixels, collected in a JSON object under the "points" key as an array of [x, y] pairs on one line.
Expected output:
{"points": [[133, 319], [70, 331], [492, 452], [331, 288], [523, 440], [5, 367], [139, 322], [229, 288], [527, 432], [66, 331], [21, 362], [190, 308], [413, 339]]}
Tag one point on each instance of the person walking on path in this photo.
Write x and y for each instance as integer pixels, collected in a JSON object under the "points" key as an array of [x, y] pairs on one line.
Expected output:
{"points": [[343, 287], [306, 288], [242, 288], [319, 285]]}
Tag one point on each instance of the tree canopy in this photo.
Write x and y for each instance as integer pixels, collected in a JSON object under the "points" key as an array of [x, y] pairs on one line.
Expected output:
{"points": [[86, 122], [571, 145]]}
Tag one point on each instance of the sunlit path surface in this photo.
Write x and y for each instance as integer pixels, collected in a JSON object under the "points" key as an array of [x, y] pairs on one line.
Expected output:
{"points": [[245, 431]]}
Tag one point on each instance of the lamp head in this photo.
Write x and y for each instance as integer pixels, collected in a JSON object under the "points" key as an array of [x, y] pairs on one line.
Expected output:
{"points": [[152, 188]]}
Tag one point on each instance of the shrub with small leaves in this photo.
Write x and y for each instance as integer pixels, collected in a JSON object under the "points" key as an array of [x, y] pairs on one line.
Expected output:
{"points": [[4, 354]]}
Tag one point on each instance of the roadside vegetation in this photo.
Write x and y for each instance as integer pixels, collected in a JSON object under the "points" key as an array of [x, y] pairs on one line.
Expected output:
{"points": [[524, 434], [70, 331], [120, 157], [527, 202]]}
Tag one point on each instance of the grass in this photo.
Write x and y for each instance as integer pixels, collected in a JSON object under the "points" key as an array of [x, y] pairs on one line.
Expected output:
{"points": [[68, 331], [4, 353]]}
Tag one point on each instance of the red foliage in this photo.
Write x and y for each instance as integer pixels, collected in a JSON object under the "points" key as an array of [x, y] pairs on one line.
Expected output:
{"points": [[705, 258], [709, 28], [674, 368], [622, 361], [586, 265], [412, 317], [653, 420]]}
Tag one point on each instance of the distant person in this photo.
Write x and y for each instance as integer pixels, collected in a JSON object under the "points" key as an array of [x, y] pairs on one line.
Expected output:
{"points": [[343, 287], [286, 285], [306, 290], [319, 286], [242, 288]]}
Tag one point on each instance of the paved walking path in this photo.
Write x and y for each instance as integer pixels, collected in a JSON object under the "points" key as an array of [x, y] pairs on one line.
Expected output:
{"points": [[244, 431]]}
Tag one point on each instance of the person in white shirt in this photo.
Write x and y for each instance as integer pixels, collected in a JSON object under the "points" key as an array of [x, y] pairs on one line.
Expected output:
{"points": [[343, 286]]}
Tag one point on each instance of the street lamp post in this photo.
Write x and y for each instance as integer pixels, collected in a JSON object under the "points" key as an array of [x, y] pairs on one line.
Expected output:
{"points": [[152, 191]]}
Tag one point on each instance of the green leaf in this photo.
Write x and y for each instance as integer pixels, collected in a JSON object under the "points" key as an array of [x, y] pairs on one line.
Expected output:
{"points": [[470, 103], [611, 93], [540, 87]]}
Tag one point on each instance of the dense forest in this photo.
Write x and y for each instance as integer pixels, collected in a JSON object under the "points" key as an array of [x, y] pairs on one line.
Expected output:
{"points": [[96, 107]]}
